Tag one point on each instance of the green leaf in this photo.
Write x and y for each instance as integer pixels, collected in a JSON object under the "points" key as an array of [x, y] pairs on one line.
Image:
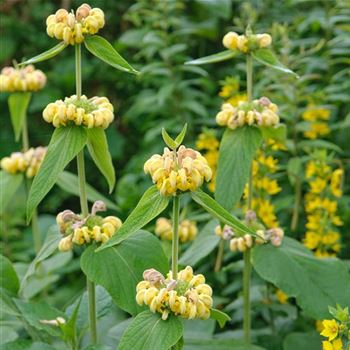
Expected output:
{"points": [[217, 57], [98, 148], [48, 248], [151, 204], [181, 136], [8, 334], [102, 49], [310, 144], [220, 317], [168, 140], [278, 132], [294, 170], [309, 341], [47, 54], [218, 344], [69, 182], [215, 209], [314, 282], [8, 276], [268, 58], [119, 268], [65, 144], [149, 332], [202, 246], [9, 184], [237, 151], [18, 105], [26, 345]]}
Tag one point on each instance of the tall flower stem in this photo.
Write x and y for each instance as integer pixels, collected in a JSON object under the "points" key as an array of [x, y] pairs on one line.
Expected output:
{"points": [[84, 204], [175, 245], [247, 269], [219, 256], [25, 137]]}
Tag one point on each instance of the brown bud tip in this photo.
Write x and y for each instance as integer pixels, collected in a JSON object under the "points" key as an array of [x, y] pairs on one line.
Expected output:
{"points": [[264, 101], [82, 11], [250, 216], [153, 276], [98, 206]]}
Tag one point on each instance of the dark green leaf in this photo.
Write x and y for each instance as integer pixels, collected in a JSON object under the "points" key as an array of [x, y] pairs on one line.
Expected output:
{"points": [[47, 54], [66, 143], [9, 184], [18, 105], [102, 49], [268, 58], [237, 151], [217, 57], [8, 276], [302, 341], [69, 182], [119, 268], [314, 282], [220, 317], [26, 345], [149, 332], [215, 209], [98, 148], [151, 204], [218, 344]]}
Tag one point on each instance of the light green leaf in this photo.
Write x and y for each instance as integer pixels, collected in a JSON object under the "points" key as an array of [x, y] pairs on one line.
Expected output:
{"points": [[217, 57], [311, 144], [302, 341], [181, 136], [268, 58], [149, 332], [215, 209], [69, 182], [237, 150], [151, 204], [278, 132], [8, 334], [220, 317], [168, 140], [66, 143], [202, 246], [8, 276], [98, 148], [315, 283], [18, 105], [9, 184], [119, 268], [47, 54], [294, 170], [102, 49]]}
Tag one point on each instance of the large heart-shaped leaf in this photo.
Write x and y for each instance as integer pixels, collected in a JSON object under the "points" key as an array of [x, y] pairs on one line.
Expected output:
{"points": [[47, 54], [268, 58], [98, 148], [18, 105], [216, 57], [9, 184], [102, 49], [215, 209], [149, 332], [66, 143], [69, 182], [119, 268], [237, 151], [315, 283], [8, 276], [219, 344], [151, 204], [302, 341]]}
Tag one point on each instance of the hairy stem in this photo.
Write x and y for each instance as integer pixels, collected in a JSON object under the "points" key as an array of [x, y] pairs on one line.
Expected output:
{"points": [[78, 70], [219, 256], [25, 137], [175, 243], [92, 310]]}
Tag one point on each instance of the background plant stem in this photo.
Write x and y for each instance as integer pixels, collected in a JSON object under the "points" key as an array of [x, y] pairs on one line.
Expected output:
{"points": [[175, 243], [219, 256], [84, 204], [25, 137]]}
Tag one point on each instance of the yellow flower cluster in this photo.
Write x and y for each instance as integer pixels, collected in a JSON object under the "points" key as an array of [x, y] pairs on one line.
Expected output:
{"points": [[72, 28], [317, 118], [230, 91], [27, 162], [91, 113], [209, 144], [79, 230], [188, 296], [246, 43], [260, 112], [187, 230], [325, 187], [21, 79], [281, 296], [334, 331], [182, 170]]}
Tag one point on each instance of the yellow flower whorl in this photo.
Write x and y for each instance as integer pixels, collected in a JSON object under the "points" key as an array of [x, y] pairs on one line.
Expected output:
{"points": [[91, 113], [187, 230], [244, 43], [184, 170], [21, 79], [260, 112], [188, 297], [27, 162], [72, 28]]}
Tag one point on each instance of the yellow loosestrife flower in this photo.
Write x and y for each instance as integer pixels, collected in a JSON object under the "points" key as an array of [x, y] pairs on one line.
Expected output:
{"points": [[335, 345], [72, 28], [246, 43], [187, 230], [182, 170], [91, 113], [27, 162], [21, 79], [188, 296], [316, 117], [330, 329]]}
